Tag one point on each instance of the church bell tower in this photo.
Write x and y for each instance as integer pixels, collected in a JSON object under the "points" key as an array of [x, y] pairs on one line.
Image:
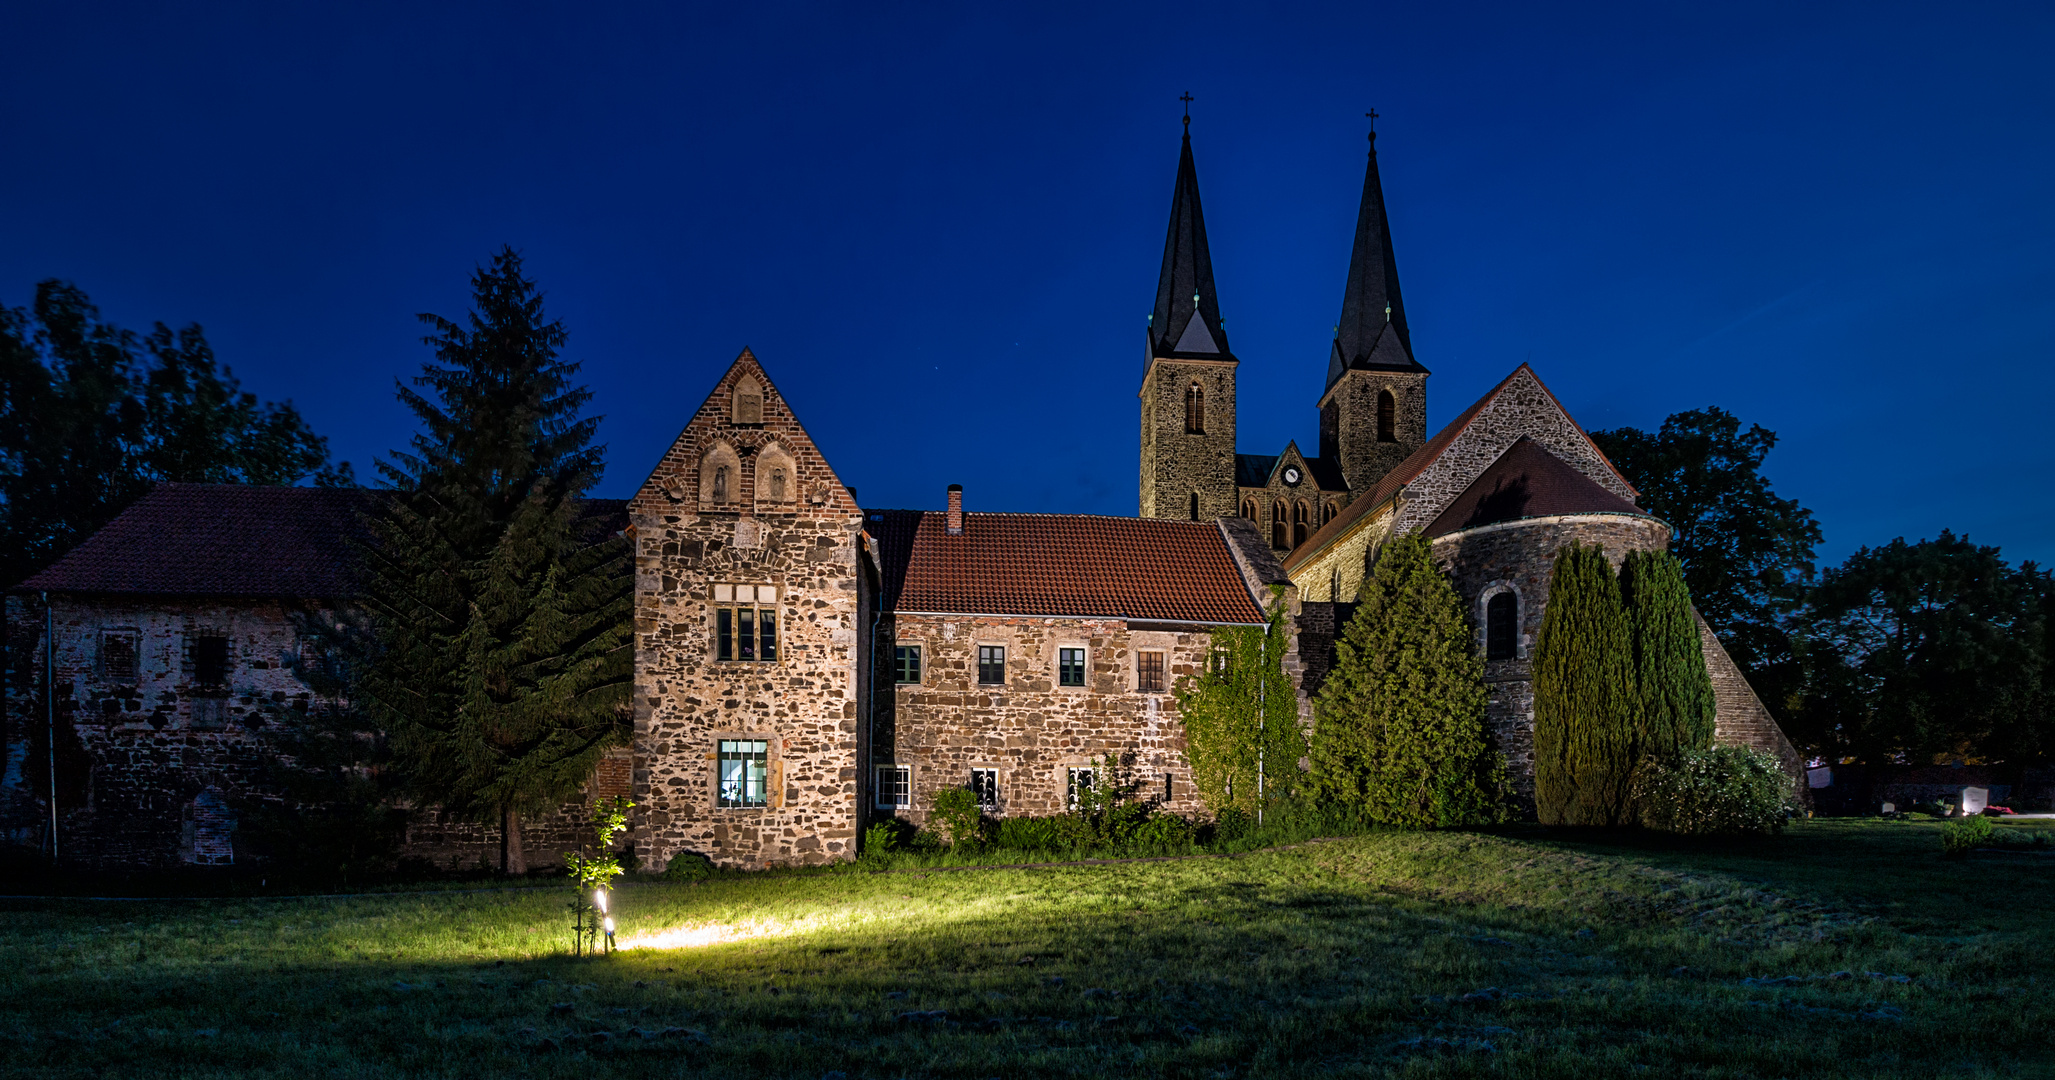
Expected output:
{"points": [[1188, 373]]}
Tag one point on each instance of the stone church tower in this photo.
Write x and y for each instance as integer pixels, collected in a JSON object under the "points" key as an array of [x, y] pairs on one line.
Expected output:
{"points": [[1188, 464], [1373, 413]]}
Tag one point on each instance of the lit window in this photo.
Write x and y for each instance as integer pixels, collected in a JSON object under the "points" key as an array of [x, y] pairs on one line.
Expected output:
{"points": [[1149, 672], [1070, 667], [118, 656], [992, 664], [745, 768], [895, 787], [1080, 783], [985, 784], [906, 663], [745, 623]]}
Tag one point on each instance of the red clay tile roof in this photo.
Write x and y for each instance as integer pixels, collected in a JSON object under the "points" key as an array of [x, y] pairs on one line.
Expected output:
{"points": [[1527, 481], [231, 540], [1074, 565]]}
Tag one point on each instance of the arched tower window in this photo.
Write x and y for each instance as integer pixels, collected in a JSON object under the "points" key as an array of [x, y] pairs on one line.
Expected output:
{"points": [[1302, 517], [1280, 529], [1502, 626], [1249, 509], [1327, 515], [1387, 417], [1195, 506], [1194, 410]]}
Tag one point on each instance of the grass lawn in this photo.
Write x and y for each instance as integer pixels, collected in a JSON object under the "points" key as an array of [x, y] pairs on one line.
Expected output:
{"points": [[1845, 948]]}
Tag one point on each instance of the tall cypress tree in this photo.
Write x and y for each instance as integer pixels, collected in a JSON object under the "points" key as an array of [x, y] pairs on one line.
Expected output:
{"points": [[1677, 710], [1398, 729], [1584, 697], [503, 660]]}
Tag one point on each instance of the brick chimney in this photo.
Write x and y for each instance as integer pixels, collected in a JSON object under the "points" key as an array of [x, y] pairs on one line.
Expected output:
{"points": [[956, 509]]}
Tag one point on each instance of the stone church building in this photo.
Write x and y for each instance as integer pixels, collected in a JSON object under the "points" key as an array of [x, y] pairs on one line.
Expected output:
{"points": [[805, 665]]}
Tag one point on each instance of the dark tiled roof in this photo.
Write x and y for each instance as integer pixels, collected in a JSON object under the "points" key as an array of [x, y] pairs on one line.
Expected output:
{"points": [[1253, 470], [1186, 318], [1526, 481], [1366, 336], [1326, 472], [1074, 565], [237, 540]]}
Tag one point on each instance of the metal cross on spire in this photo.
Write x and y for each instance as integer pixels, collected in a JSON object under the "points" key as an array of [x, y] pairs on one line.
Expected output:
{"points": [[1187, 99], [1372, 114]]}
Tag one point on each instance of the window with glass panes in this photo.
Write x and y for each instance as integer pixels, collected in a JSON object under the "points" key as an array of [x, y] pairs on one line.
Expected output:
{"points": [[1070, 667], [1149, 671], [895, 787], [991, 663], [746, 623], [906, 662], [1080, 782], [744, 770], [984, 783]]}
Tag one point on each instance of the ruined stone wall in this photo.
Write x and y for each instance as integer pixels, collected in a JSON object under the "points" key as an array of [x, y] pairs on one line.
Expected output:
{"points": [[1031, 728], [1519, 557], [1175, 463], [805, 705]]}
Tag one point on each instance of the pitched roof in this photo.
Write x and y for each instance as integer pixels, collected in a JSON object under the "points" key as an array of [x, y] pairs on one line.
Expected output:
{"points": [[1372, 330], [1417, 462], [236, 540], [1186, 318], [1254, 470], [1525, 482], [1074, 565]]}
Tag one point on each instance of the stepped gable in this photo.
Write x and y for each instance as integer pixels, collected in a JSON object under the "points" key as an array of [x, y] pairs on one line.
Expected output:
{"points": [[221, 540], [1059, 565], [1431, 478], [1527, 482]]}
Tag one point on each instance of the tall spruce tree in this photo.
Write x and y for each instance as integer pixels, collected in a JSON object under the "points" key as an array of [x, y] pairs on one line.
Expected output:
{"points": [[1676, 709], [504, 652], [1584, 697], [1398, 730], [1241, 719]]}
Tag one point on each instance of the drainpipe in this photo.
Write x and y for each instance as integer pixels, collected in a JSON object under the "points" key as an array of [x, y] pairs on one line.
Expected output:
{"points": [[50, 711]]}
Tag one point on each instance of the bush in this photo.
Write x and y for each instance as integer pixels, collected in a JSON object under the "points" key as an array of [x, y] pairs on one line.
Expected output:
{"points": [[1165, 830], [1232, 823], [1959, 838], [956, 816], [1056, 833], [686, 866], [879, 840], [1726, 789]]}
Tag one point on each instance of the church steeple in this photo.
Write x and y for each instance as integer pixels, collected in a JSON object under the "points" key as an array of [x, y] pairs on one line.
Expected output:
{"points": [[1186, 320], [1372, 333]]}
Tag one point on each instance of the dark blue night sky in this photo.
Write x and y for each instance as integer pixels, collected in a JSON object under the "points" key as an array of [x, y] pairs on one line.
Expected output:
{"points": [[940, 228]]}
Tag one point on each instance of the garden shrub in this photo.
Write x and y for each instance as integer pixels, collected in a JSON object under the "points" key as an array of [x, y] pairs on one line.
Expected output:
{"points": [[687, 866], [1724, 789], [956, 817], [1232, 823], [1164, 830], [1959, 838], [879, 839], [1056, 833]]}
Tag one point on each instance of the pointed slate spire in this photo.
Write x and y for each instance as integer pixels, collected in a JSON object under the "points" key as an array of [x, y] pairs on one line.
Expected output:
{"points": [[1372, 332], [1186, 320]]}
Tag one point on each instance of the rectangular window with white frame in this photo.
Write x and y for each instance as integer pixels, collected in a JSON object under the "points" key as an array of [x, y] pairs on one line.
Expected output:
{"points": [[1070, 667], [746, 623], [1149, 672], [984, 783], [1080, 783], [744, 772], [895, 787]]}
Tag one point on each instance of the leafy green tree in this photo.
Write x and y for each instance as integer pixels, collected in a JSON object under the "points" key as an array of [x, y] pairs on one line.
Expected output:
{"points": [[91, 417], [1241, 718], [1929, 650], [1747, 552], [504, 652], [1584, 695], [1398, 730], [1676, 710]]}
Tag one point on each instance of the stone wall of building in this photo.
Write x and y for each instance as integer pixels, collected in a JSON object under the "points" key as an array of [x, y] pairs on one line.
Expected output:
{"points": [[701, 538], [1742, 720], [1335, 574], [1348, 424], [1176, 463], [1032, 729], [1519, 557]]}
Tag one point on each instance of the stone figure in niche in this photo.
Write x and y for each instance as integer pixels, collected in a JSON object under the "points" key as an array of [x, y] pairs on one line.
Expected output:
{"points": [[720, 483], [778, 484]]}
